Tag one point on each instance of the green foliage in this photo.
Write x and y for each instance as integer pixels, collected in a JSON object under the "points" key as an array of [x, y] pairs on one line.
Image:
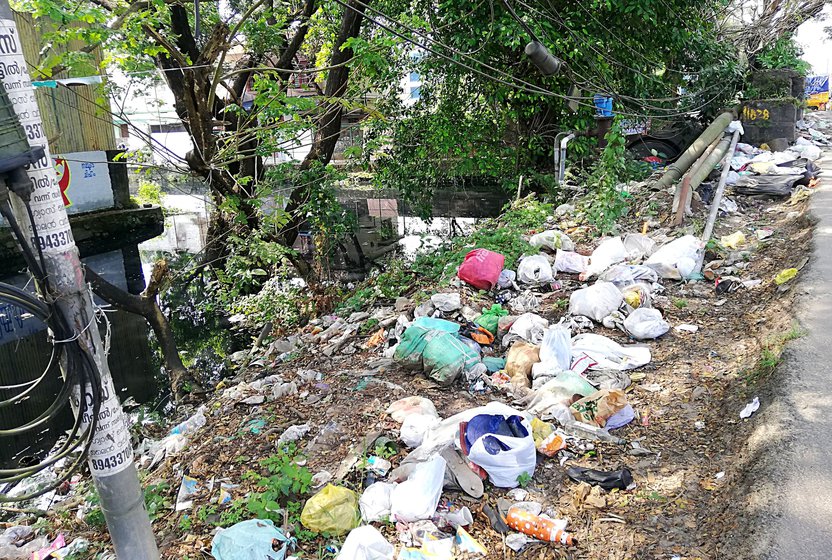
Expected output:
{"points": [[783, 53], [95, 516], [680, 303], [156, 500], [524, 479], [149, 193], [607, 201], [186, 523], [486, 123], [279, 491]]}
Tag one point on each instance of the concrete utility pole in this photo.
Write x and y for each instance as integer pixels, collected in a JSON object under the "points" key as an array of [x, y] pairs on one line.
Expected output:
{"points": [[111, 455]]}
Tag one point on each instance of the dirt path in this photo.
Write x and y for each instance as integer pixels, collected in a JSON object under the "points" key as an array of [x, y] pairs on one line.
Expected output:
{"points": [[786, 493]]}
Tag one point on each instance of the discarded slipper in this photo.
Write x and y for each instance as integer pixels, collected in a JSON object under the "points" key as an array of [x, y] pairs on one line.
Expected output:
{"points": [[466, 479]]}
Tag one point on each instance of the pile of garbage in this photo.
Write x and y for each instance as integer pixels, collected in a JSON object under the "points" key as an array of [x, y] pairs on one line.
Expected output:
{"points": [[777, 172], [567, 385]]}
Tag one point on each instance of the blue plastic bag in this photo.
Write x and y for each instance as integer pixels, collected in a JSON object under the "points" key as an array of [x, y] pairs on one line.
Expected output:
{"points": [[251, 540]]}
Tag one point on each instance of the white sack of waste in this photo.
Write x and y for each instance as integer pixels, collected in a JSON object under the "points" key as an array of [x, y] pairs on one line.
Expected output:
{"points": [[646, 323], [596, 301]]}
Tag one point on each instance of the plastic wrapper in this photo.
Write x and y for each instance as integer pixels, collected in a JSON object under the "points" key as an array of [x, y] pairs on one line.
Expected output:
{"points": [[552, 239], [481, 268], [535, 270], [417, 497], [608, 480], [646, 323], [598, 407], [366, 543], [519, 361], [254, 539]]}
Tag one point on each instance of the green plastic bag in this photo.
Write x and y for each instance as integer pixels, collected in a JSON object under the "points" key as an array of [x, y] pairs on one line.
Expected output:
{"points": [[445, 357], [333, 510], [412, 345], [490, 318]]}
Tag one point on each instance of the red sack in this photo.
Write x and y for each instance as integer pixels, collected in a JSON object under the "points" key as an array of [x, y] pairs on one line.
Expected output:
{"points": [[481, 268]]}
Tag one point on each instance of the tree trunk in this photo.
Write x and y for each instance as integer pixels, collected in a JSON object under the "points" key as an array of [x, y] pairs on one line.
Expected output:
{"points": [[329, 123], [145, 305]]}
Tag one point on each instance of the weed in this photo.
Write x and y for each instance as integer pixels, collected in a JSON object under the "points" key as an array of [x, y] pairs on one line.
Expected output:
{"points": [[385, 451], [236, 511], [771, 354], [95, 518], [155, 499], [524, 479], [607, 202], [680, 303], [186, 523], [562, 303], [368, 326]]}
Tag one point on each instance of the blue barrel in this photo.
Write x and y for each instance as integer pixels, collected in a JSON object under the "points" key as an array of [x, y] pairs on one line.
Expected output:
{"points": [[603, 105]]}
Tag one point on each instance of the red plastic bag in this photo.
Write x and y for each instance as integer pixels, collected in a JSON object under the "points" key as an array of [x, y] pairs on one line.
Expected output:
{"points": [[481, 268]]}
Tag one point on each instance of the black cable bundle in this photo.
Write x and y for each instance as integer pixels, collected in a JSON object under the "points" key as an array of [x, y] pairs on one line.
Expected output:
{"points": [[81, 370]]}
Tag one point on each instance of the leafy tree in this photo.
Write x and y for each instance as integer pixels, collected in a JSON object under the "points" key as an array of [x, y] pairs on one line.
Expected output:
{"points": [[229, 139], [485, 114]]}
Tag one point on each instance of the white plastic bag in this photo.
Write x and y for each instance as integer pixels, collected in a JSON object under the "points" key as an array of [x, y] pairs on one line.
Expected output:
{"points": [[569, 262], [417, 497], [400, 409], [806, 149], [596, 301], [609, 252], [677, 259], [606, 353], [556, 347], [506, 279], [415, 426], [374, 503], [446, 302], [638, 246], [637, 295], [529, 327], [366, 543], [644, 323], [552, 239], [505, 467], [535, 270], [625, 274]]}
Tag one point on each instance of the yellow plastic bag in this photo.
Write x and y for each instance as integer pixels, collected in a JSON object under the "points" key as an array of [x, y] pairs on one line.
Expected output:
{"points": [[785, 275], [333, 510], [541, 430], [733, 241]]}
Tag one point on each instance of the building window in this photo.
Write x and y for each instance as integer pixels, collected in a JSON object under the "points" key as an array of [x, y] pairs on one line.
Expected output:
{"points": [[415, 77], [415, 93], [124, 130]]}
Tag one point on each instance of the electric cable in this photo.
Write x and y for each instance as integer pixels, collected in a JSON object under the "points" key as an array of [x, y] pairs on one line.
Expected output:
{"points": [[81, 373]]}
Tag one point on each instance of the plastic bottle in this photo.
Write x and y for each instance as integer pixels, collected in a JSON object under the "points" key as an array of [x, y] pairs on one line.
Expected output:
{"points": [[539, 527], [192, 424]]}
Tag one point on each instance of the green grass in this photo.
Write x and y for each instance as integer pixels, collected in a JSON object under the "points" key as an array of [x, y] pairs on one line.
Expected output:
{"points": [[680, 303], [771, 354]]}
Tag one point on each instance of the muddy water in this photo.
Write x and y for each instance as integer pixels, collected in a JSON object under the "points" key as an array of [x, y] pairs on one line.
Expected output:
{"points": [[25, 350]]}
